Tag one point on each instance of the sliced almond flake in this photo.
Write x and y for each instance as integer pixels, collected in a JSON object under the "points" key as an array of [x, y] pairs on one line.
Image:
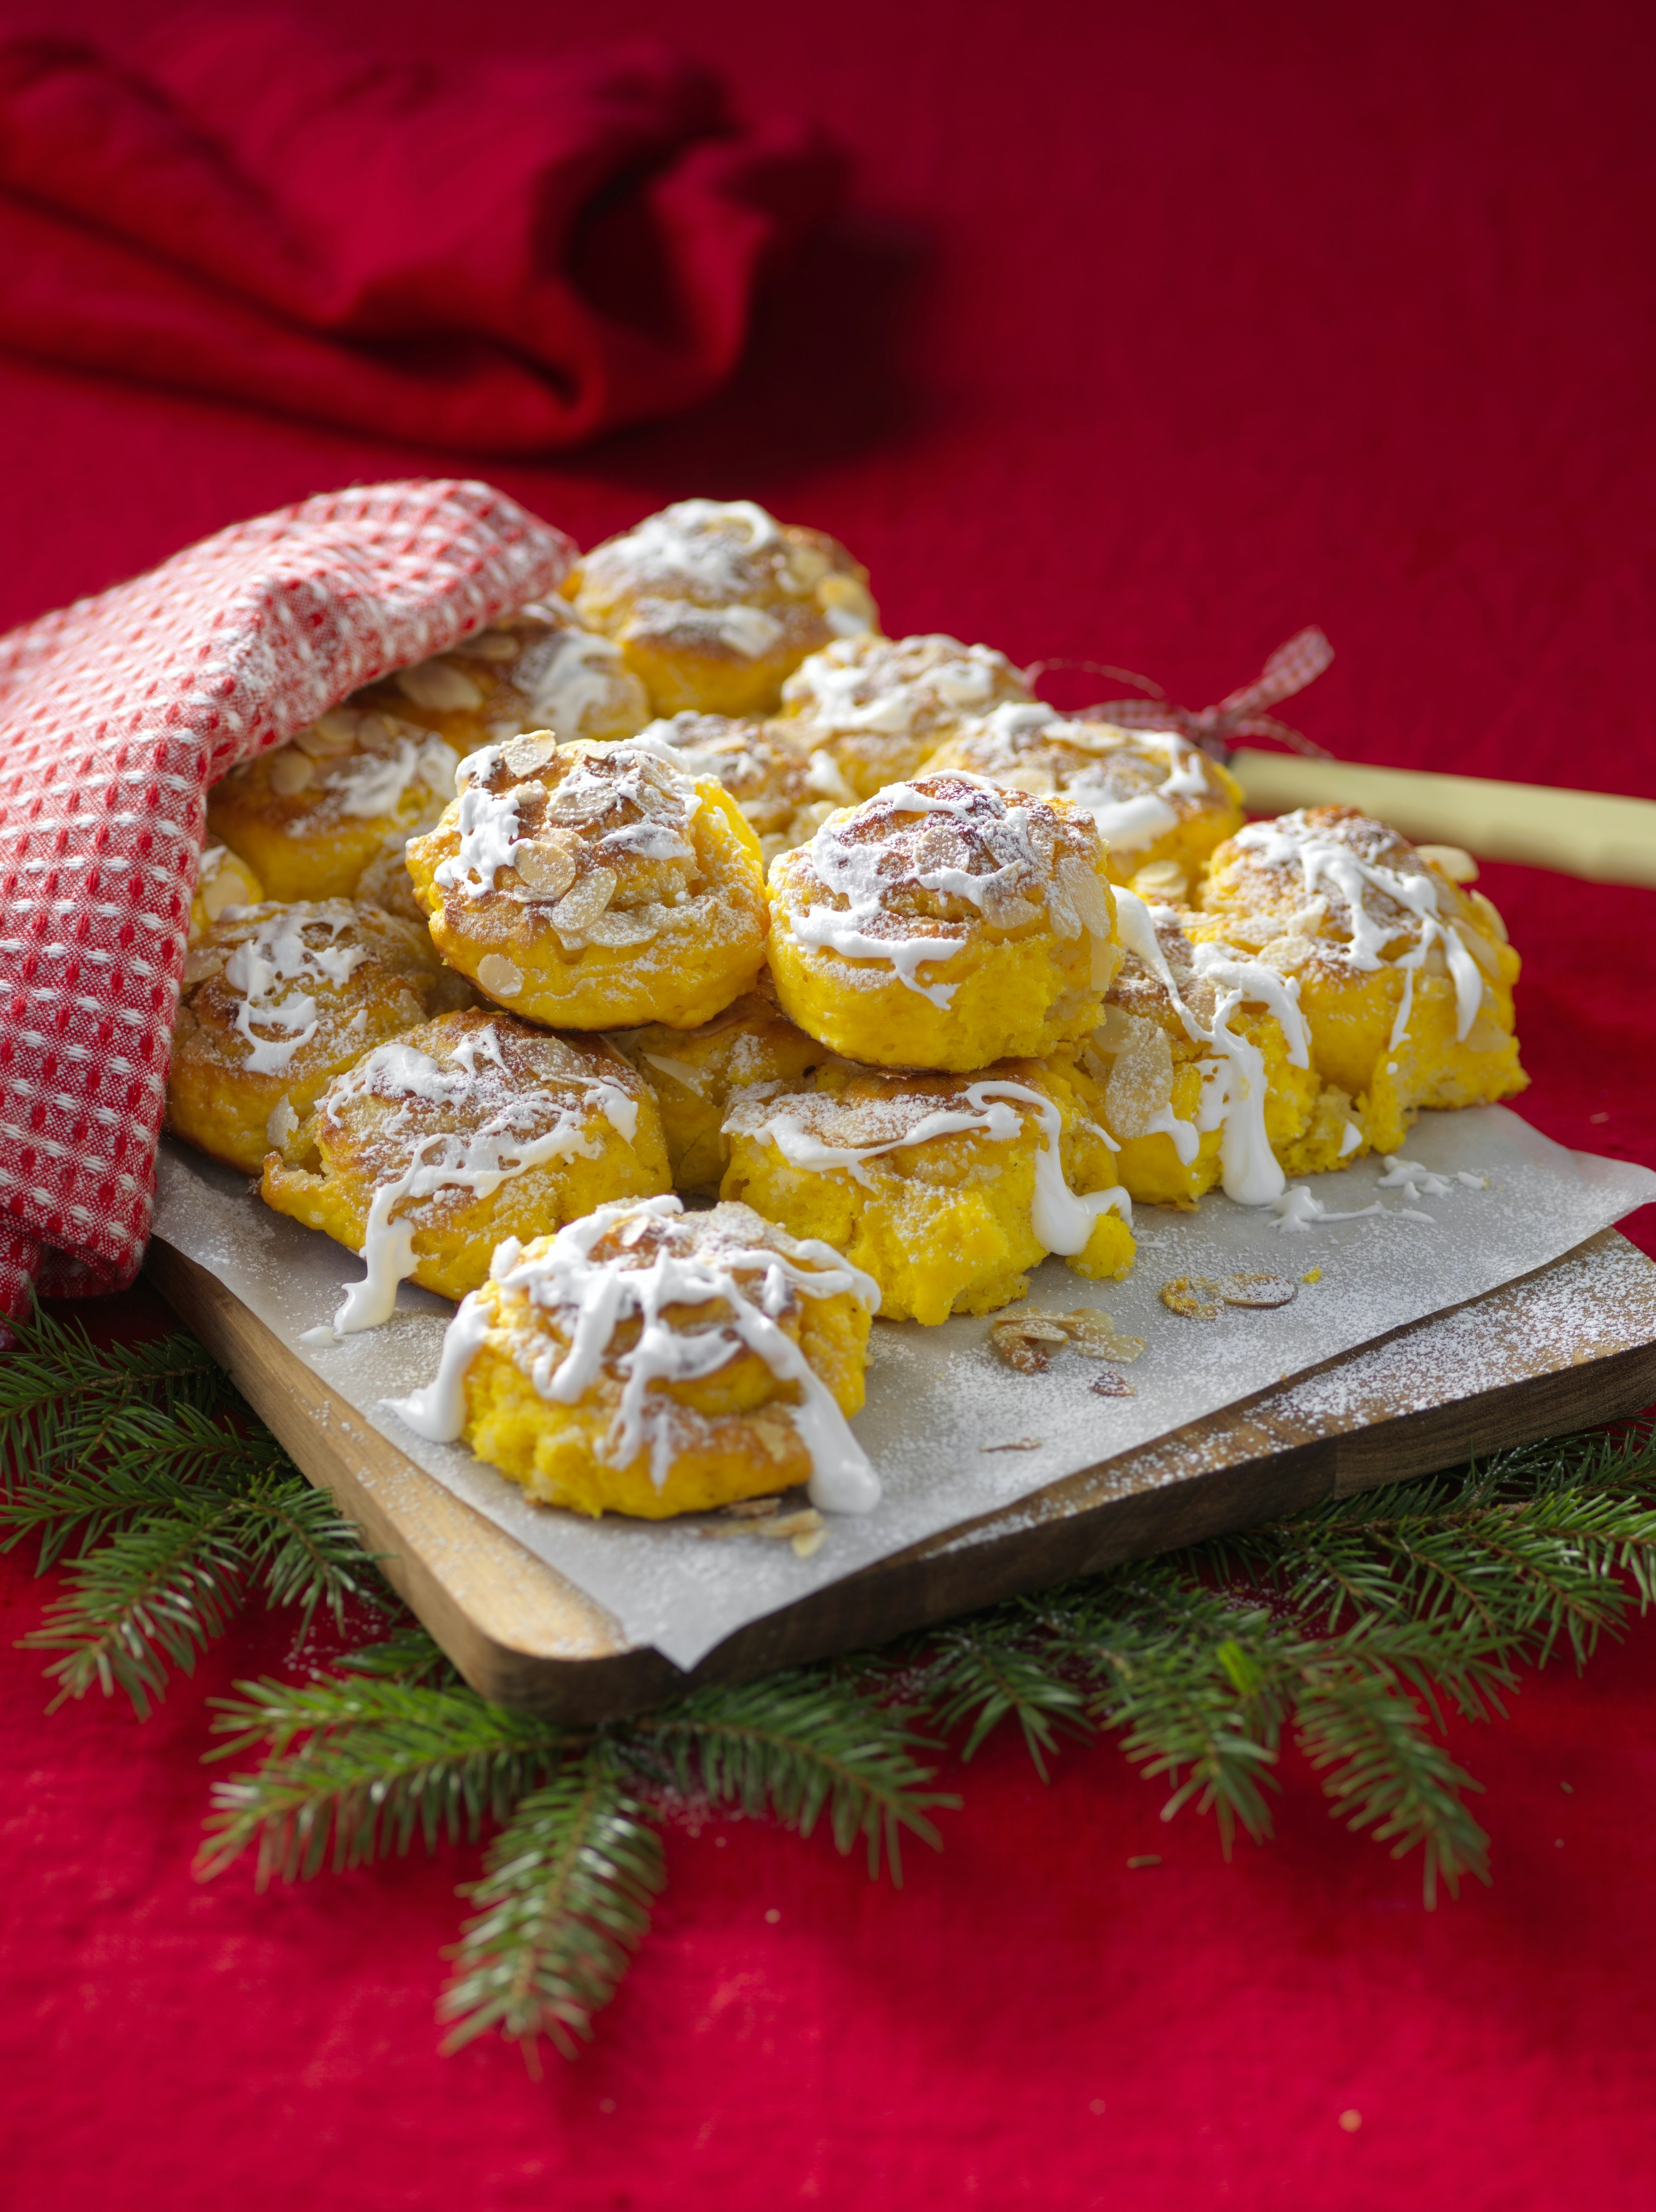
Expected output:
{"points": [[809, 1541], [1107, 1383], [1096, 1336], [290, 772], [779, 1527], [524, 755], [1256, 1289], [547, 866], [1018, 1443], [493, 645], [618, 929], [1019, 1352], [436, 685], [1198, 1298], [578, 909], [752, 1509]]}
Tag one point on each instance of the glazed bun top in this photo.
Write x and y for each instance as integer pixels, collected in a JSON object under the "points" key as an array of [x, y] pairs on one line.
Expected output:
{"points": [[927, 863]]}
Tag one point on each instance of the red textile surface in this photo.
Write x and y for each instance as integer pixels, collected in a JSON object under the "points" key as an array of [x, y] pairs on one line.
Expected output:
{"points": [[509, 255], [115, 715], [1177, 328]]}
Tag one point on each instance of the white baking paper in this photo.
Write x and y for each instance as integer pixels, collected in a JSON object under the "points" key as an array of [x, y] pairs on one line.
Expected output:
{"points": [[940, 1400]]}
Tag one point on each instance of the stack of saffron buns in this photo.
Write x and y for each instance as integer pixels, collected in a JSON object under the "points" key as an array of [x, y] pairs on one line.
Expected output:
{"points": [[681, 971]]}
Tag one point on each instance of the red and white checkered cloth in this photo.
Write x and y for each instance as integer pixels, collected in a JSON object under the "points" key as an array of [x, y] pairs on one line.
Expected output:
{"points": [[115, 715]]}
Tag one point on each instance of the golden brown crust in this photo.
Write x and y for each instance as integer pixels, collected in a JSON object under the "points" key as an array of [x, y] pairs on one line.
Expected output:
{"points": [[874, 710], [278, 1000], [714, 604], [592, 886]]}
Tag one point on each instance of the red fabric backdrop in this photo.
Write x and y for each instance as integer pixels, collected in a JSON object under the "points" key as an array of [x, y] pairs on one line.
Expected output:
{"points": [[1162, 333]]}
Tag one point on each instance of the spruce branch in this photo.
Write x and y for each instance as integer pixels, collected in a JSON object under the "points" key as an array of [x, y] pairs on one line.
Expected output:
{"points": [[356, 1766], [141, 1462], [798, 1745], [565, 1900]]}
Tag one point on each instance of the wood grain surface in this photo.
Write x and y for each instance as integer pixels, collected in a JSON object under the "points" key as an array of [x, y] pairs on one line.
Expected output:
{"points": [[1570, 1344]]}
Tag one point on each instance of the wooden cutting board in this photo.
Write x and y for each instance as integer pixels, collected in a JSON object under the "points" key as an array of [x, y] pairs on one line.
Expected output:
{"points": [[1571, 1345]]}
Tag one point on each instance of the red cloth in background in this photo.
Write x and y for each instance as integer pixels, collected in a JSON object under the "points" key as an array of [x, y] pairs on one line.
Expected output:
{"points": [[115, 715], [1168, 331], [506, 256]]}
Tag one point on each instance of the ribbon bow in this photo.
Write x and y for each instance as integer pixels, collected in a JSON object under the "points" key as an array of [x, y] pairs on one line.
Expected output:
{"points": [[1240, 715]]}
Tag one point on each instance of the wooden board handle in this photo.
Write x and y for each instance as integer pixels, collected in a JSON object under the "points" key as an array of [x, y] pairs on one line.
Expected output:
{"points": [[1580, 833]]}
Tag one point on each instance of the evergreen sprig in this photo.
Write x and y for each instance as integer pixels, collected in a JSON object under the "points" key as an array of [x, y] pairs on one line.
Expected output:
{"points": [[142, 1465], [1350, 1630]]}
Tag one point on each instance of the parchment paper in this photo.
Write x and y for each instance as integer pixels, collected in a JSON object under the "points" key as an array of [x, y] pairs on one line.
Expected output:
{"points": [[939, 1400]]}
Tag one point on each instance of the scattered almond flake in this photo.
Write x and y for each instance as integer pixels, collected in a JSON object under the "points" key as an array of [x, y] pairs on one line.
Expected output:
{"points": [[1018, 1443], [501, 977], [1028, 1358], [779, 1527], [1257, 1288], [1095, 1336], [808, 1542], [1107, 1383], [752, 1509], [1198, 1298]]}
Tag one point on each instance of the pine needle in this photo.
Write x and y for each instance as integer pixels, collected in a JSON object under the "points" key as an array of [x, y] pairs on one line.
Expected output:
{"points": [[565, 1896], [799, 1745]]}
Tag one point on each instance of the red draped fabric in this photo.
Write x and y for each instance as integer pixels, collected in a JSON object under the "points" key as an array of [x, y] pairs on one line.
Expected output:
{"points": [[1156, 335]]}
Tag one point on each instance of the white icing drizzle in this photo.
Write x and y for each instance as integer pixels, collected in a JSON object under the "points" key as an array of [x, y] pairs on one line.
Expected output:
{"points": [[692, 543], [847, 691], [479, 1161], [1251, 1173], [373, 783], [1323, 860], [1061, 1218], [1127, 824], [565, 677], [592, 779], [590, 1298], [268, 970], [852, 869], [1417, 1181], [1297, 1211]]}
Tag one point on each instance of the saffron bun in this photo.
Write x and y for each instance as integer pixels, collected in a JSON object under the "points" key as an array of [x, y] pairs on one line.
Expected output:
{"points": [[1201, 1070], [714, 604], [874, 710], [944, 1189], [279, 999], [591, 886], [222, 881], [539, 669], [759, 762], [307, 817], [588, 1367], [1160, 803], [944, 924], [1406, 980], [694, 1071], [460, 1132]]}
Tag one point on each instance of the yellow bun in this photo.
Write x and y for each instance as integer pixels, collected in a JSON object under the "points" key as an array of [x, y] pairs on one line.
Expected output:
{"points": [[1201, 1070], [760, 763], [539, 669], [222, 881], [934, 1185], [1160, 803], [1405, 980], [714, 604], [309, 816], [944, 924], [692, 1073], [873, 710], [592, 886], [611, 1428], [279, 999], [466, 1130]]}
